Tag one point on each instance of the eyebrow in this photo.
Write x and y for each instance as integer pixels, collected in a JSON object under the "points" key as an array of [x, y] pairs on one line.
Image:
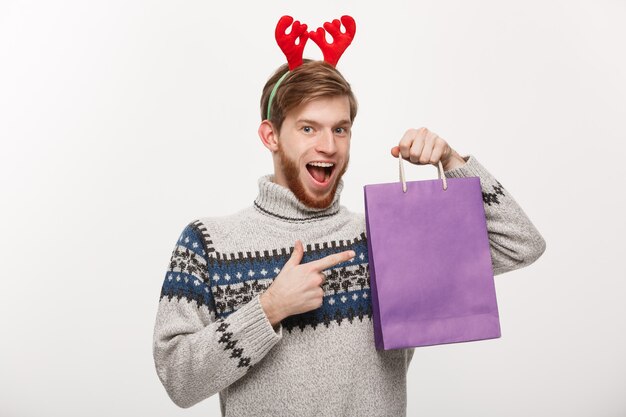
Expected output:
{"points": [[312, 122]]}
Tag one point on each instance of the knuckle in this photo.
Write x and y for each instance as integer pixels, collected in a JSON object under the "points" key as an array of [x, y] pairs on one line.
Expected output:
{"points": [[320, 279]]}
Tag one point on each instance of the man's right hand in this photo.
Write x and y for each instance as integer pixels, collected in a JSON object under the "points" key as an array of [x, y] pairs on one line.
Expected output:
{"points": [[297, 288]]}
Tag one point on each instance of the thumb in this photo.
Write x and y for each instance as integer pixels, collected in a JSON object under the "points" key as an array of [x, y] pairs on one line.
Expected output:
{"points": [[296, 255]]}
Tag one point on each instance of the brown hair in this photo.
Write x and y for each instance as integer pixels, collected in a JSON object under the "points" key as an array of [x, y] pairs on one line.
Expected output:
{"points": [[311, 80]]}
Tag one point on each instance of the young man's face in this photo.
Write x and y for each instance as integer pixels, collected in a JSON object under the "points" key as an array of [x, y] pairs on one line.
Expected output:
{"points": [[317, 131]]}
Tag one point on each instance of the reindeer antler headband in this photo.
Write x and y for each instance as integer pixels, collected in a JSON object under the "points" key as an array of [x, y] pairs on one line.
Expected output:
{"points": [[332, 51]]}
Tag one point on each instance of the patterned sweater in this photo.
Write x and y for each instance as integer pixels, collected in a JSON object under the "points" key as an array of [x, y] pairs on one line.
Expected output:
{"points": [[212, 336]]}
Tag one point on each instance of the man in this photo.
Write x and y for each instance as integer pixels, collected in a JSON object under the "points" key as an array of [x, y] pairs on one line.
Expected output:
{"points": [[270, 306]]}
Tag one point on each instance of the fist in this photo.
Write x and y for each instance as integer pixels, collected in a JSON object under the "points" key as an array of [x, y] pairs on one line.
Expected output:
{"points": [[421, 146]]}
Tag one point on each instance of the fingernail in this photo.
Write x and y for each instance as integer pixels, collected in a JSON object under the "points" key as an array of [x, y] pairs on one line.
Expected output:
{"points": [[352, 254]]}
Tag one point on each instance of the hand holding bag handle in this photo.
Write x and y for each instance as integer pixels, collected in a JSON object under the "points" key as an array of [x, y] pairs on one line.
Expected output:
{"points": [[442, 176]]}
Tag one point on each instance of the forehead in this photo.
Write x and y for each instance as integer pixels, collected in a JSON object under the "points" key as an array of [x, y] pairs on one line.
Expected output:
{"points": [[323, 109]]}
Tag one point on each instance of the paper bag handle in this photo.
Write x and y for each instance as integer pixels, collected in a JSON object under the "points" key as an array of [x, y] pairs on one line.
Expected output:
{"points": [[442, 176]]}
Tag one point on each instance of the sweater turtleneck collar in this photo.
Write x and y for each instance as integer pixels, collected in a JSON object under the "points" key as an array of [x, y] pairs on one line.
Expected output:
{"points": [[279, 201]]}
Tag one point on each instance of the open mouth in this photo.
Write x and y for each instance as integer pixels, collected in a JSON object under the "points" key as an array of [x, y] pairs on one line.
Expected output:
{"points": [[320, 173]]}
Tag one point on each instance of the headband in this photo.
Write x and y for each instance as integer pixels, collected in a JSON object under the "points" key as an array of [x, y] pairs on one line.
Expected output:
{"points": [[332, 51]]}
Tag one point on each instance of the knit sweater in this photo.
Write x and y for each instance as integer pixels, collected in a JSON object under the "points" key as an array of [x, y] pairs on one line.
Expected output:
{"points": [[212, 336]]}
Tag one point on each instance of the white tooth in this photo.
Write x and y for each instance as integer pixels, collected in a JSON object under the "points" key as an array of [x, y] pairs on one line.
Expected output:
{"points": [[321, 164]]}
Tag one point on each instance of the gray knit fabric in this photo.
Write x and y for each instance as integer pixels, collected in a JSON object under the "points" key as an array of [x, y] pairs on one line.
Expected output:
{"points": [[212, 336]]}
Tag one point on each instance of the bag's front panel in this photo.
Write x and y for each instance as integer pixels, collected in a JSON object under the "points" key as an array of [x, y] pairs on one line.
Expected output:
{"points": [[430, 247]]}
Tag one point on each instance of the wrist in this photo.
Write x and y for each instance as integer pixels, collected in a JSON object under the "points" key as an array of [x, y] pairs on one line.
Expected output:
{"points": [[270, 308], [454, 160]]}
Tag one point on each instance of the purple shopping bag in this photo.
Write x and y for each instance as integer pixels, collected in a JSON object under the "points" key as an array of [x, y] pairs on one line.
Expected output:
{"points": [[430, 265]]}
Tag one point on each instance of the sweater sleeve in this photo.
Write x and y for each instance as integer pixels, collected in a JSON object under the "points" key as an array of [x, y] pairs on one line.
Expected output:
{"points": [[197, 353], [513, 239]]}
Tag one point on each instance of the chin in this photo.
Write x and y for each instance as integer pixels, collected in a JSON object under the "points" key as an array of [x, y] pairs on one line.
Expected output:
{"points": [[312, 193]]}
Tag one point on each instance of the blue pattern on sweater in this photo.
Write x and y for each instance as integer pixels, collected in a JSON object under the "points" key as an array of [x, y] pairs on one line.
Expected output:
{"points": [[225, 285], [187, 275]]}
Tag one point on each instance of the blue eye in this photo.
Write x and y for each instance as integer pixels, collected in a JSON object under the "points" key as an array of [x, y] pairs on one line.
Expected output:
{"points": [[305, 129]]}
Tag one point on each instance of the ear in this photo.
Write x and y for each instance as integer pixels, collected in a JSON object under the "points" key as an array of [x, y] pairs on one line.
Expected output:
{"points": [[268, 135]]}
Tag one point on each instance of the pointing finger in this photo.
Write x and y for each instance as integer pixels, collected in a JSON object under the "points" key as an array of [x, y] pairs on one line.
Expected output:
{"points": [[332, 260]]}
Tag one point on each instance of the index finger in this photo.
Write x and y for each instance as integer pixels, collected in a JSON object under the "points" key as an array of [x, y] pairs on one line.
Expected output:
{"points": [[332, 260]]}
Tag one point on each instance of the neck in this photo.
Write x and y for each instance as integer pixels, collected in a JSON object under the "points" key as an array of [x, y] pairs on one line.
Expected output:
{"points": [[277, 200]]}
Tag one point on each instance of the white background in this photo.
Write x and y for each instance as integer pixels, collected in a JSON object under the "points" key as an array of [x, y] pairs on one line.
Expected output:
{"points": [[121, 121]]}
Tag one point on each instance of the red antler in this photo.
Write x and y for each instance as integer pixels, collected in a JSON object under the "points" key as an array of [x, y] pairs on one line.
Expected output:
{"points": [[332, 51], [287, 43]]}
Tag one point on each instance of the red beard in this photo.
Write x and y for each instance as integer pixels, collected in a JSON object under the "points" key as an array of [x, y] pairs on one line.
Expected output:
{"points": [[292, 176]]}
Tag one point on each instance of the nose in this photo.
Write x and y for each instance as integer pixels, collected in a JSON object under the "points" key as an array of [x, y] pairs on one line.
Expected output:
{"points": [[326, 143]]}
